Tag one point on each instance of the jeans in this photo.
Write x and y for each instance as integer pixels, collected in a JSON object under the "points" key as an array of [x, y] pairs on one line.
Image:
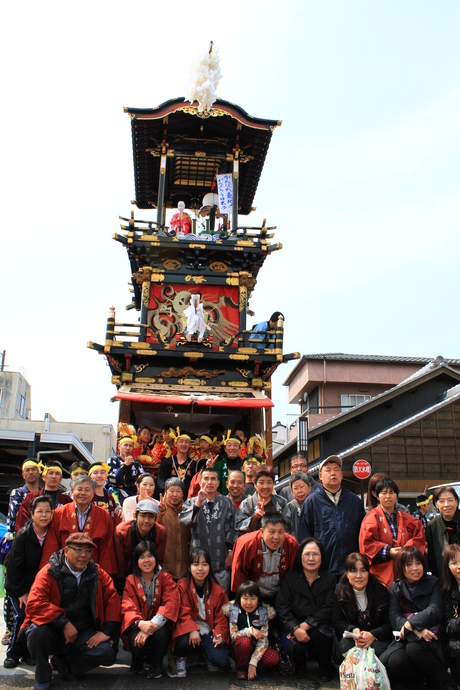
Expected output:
{"points": [[218, 656], [43, 640]]}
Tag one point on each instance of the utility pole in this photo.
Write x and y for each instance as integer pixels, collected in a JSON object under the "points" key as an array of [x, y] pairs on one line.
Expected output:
{"points": [[2, 360]]}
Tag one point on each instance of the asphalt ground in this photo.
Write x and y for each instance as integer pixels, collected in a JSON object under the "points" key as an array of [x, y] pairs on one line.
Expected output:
{"points": [[119, 677]]}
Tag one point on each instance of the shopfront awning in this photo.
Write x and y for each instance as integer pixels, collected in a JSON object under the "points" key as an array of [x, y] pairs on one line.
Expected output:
{"points": [[178, 395]]}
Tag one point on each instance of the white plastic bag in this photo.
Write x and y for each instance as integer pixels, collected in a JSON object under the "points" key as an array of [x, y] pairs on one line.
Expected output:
{"points": [[361, 670]]}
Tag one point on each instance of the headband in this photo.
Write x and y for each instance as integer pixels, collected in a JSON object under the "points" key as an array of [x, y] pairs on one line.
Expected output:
{"points": [[127, 439], [207, 438], [424, 502], [31, 463], [47, 468], [229, 437], [98, 466], [252, 458], [179, 435]]}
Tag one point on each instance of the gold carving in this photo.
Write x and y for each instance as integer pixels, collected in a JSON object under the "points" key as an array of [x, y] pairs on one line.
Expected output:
{"points": [[145, 346], [172, 264], [243, 298], [142, 275], [247, 279], [218, 266], [194, 354], [116, 380], [196, 279], [223, 383], [126, 377], [233, 279], [194, 245], [193, 110], [191, 382], [248, 350], [200, 154], [152, 239], [242, 357], [137, 368], [184, 371], [239, 384], [146, 294], [145, 379], [157, 277], [245, 373], [245, 243], [257, 383]]}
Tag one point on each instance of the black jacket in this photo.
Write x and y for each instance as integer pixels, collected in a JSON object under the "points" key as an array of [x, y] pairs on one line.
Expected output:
{"points": [[297, 602], [345, 612], [86, 594], [23, 562], [436, 539], [451, 619], [426, 601]]}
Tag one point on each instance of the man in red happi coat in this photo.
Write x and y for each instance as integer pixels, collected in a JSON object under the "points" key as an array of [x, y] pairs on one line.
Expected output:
{"points": [[264, 556], [129, 534], [82, 516]]}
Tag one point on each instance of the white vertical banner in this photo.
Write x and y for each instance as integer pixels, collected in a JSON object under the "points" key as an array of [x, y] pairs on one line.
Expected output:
{"points": [[225, 191]]}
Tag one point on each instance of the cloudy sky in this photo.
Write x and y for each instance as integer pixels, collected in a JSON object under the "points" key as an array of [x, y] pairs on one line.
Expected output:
{"points": [[362, 179]]}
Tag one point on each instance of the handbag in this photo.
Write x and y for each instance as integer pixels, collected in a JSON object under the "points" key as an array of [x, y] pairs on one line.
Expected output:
{"points": [[286, 666], [453, 643]]}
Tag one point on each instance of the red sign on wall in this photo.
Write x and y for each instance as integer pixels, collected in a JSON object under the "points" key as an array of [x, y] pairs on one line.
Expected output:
{"points": [[362, 469]]}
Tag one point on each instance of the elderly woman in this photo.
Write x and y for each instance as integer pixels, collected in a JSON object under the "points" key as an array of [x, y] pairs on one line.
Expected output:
{"points": [[385, 530], [444, 529], [416, 612], [262, 502], [300, 484], [145, 489], [361, 606], [304, 607]]}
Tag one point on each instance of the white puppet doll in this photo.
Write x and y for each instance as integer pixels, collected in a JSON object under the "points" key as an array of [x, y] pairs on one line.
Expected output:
{"points": [[196, 322]]}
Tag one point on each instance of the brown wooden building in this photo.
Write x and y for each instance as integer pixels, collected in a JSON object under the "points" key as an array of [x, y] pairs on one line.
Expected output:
{"points": [[410, 432]]}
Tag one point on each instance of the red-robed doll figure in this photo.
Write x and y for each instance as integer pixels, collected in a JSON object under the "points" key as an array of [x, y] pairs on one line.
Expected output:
{"points": [[181, 221], [82, 516], [149, 608]]}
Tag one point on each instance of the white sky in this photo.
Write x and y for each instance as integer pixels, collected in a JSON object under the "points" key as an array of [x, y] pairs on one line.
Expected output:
{"points": [[362, 179]]}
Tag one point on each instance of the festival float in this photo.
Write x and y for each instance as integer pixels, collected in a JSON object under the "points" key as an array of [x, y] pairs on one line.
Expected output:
{"points": [[191, 359]]}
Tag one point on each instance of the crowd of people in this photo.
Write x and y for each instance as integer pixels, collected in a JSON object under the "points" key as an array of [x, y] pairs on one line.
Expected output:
{"points": [[199, 553]]}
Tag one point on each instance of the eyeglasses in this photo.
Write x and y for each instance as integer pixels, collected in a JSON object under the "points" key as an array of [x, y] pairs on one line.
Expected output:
{"points": [[78, 549], [311, 554]]}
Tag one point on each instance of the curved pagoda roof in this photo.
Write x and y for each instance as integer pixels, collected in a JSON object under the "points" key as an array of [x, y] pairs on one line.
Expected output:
{"points": [[198, 146]]}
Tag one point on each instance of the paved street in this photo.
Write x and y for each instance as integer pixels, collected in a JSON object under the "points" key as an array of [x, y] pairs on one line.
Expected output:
{"points": [[118, 677]]}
